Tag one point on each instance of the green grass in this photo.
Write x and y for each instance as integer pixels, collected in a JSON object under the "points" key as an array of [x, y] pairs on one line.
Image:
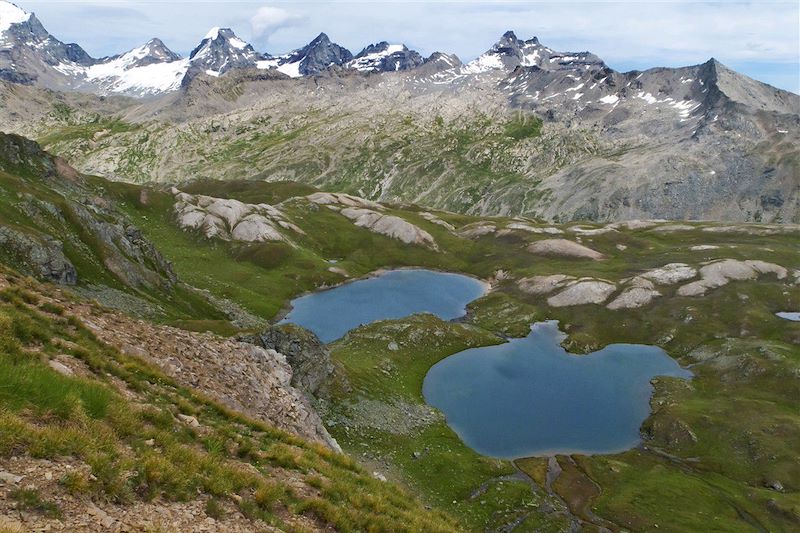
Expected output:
{"points": [[85, 131], [29, 500], [524, 127], [741, 407], [48, 415]]}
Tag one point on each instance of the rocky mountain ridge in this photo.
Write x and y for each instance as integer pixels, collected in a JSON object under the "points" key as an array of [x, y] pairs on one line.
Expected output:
{"points": [[521, 130], [30, 55]]}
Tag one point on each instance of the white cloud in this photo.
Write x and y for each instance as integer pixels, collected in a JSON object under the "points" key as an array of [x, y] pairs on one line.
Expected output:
{"points": [[268, 19]]}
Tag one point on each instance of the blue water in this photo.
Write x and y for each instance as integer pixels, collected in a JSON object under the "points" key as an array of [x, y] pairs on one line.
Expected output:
{"points": [[789, 315], [529, 397], [394, 294]]}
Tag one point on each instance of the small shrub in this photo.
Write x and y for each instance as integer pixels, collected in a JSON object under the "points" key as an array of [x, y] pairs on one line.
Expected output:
{"points": [[29, 500], [52, 308], [75, 482], [269, 495], [214, 445], [214, 509]]}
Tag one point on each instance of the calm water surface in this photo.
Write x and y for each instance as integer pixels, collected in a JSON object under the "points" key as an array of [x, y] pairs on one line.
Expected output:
{"points": [[394, 294], [530, 397]]}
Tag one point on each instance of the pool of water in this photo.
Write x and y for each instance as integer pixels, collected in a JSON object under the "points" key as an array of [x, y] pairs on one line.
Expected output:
{"points": [[789, 315], [394, 294], [530, 397]]}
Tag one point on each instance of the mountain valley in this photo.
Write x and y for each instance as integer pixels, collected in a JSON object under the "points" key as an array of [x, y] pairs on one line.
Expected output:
{"points": [[159, 214]]}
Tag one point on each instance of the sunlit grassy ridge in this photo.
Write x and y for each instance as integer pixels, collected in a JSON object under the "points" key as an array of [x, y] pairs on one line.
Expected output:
{"points": [[138, 450]]}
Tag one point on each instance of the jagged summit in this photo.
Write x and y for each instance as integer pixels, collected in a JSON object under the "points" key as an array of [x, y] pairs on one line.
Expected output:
{"points": [[153, 51], [322, 38], [532, 72], [385, 57], [315, 57], [320, 54], [29, 54], [510, 52], [220, 51]]}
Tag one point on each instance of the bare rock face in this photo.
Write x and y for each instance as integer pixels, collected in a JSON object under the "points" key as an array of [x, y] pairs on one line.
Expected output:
{"points": [[534, 229], [477, 229], [44, 258], [670, 274], [544, 284], [719, 273], [430, 217], [231, 220], [347, 200], [243, 376], [634, 297], [126, 253], [309, 358], [583, 292], [564, 248], [389, 225], [366, 214]]}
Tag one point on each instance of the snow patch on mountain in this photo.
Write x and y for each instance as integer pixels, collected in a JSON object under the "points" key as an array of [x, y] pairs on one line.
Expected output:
{"points": [[484, 63], [155, 78], [372, 61], [282, 65], [11, 14]]}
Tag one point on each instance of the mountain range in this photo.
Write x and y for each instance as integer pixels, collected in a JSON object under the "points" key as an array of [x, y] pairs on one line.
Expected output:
{"points": [[30, 55], [521, 130]]}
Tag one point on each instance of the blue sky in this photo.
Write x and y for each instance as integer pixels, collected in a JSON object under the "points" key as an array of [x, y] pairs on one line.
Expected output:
{"points": [[760, 39]]}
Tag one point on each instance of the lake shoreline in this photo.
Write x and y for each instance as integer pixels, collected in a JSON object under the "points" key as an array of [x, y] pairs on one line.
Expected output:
{"points": [[288, 307]]}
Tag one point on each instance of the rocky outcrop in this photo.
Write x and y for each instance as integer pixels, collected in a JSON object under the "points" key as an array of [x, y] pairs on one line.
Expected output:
{"points": [[477, 229], [245, 377], [589, 291], [544, 284], [366, 214], [670, 274], [125, 252], [634, 297], [342, 199], [389, 225], [231, 220], [385, 57], [309, 358], [42, 257], [564, 248], [534, 229], [430, 217], [719, 273]]}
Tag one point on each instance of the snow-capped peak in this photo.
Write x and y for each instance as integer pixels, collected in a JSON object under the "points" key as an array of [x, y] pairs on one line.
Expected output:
{"points": [[148, 69], [11, 14], [221, 38], [311, 59], [153, 51], [510, 52], [383, 57], [228, 35], [221, 50]]}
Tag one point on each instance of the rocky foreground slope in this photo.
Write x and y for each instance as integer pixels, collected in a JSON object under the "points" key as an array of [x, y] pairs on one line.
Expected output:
{"points": [[98, 434], [237, 251]]}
